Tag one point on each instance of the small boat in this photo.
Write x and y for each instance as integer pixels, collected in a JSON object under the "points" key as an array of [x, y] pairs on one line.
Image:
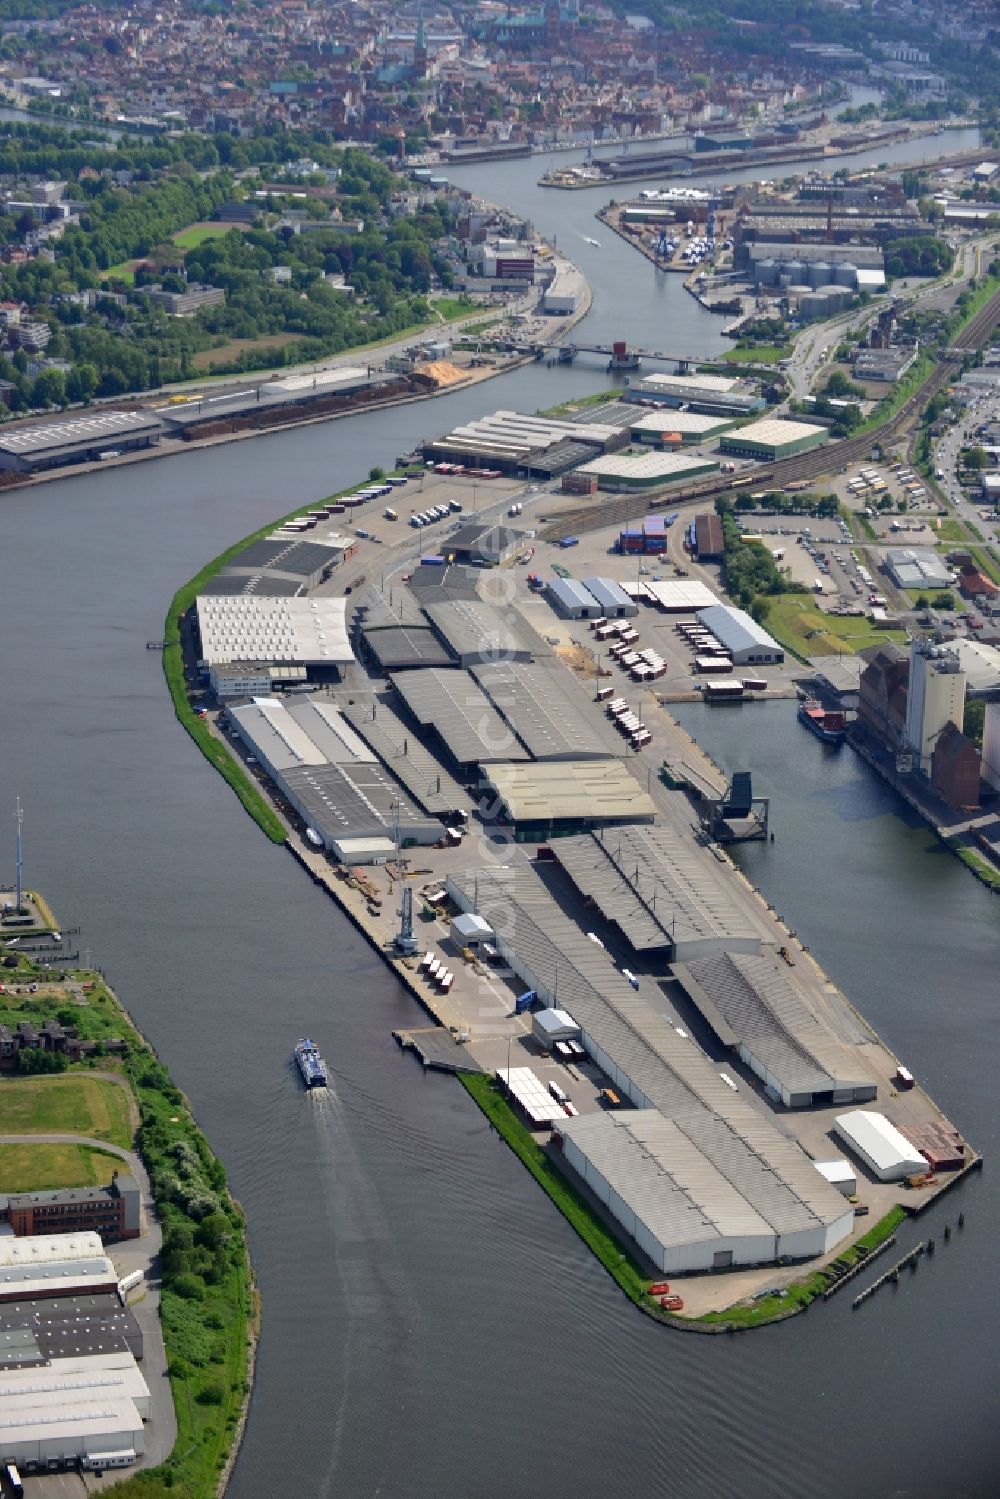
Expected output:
{"points": [[595, 242], [314, 838], [311, 1064], [828, 726]]}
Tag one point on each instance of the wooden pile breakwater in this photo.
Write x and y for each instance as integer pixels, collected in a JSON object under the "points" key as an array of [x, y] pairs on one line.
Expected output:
{"points": [[842, 1272], [912, 1259]]}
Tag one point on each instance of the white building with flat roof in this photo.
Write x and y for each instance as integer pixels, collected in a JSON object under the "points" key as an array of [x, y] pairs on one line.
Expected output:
{"points": [[282, 631]]}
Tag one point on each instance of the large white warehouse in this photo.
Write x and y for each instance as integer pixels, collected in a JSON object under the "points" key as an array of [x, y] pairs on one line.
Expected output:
{"points": [[685, 1215], [888, 1154], [745, 640]]}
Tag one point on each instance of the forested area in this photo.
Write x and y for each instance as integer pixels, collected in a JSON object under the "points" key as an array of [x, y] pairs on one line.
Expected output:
{"points": [[135, 195]]}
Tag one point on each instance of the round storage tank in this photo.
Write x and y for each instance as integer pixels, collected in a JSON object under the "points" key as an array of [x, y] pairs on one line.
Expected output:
{"points": [[813, 304], [837, 297], [820, 273], [796, 270], [767, 272], [845, 274], [796, 293]]}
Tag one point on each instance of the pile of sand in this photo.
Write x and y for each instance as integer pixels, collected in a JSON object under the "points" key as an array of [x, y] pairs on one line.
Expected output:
{"points": [[441, 371]]}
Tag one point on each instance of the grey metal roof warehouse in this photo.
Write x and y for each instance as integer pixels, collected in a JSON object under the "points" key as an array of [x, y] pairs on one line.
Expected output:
{"points": [[36, 445], [613, 599], [483, 542], [752, 1007], [474, 631], [571, 599], [383, 608], [539, 702], [644, 1056], [406, 647], [229, 585], [404, 753], [439, 584], [360, 800], [301, 560], [661, 888], [458, 710], [742, 636]]}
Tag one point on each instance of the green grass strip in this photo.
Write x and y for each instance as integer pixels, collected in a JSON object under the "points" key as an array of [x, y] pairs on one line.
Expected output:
{"points": [[801, 1292], [595, 1234], [986, 871]]}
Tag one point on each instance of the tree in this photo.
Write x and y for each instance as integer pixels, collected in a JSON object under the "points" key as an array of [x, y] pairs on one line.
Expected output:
{"points": [[975, 717], [976, 459], [376, 474]]}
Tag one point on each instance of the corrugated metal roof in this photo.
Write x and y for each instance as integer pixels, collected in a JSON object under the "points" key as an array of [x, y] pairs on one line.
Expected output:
{"points": [[539, 703], [570, 595], [472, 629], [396, 649], [663, 1178], [735, 629], [458, 709], [579, 791], [659, 886], [407, 757], [772, 1019], [669, 1070], [609, 594]]}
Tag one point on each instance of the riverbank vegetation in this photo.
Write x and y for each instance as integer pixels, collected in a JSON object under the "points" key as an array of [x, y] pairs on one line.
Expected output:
{"points": [[207, 1299]]}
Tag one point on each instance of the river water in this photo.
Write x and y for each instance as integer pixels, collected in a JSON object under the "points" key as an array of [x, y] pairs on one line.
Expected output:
{"points": [[431, 1325]]}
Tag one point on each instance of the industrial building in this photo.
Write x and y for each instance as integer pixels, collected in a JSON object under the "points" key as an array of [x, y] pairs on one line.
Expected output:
{"points": [[303, 633], [35, 1333], [269, 398], [746, 641], [774, 438], [404, 753], [404, 647], [571, 599], [935, 697], [717, 394], [698, 1177], [709, 537], [561, 297], [306, 564], [459, 717], [613, 600], [332, 779], [886, 1152], [113, 1212], [689, 426], [680, 595], [89, 1407], [917, 567], [753, 1008], [548, 796], [32, 447], [528, 445], [545, 708], [621, 472], [59, 1264], [687, 1212], [662, 890], [484, 545], [474, 632]]}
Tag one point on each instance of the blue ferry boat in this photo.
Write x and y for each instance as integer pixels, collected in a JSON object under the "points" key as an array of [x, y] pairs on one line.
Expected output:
{"points": [[311, 1064]]}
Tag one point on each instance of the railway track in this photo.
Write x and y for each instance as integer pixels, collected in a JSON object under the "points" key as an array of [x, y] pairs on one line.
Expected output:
{"points": [[785, 471]]}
